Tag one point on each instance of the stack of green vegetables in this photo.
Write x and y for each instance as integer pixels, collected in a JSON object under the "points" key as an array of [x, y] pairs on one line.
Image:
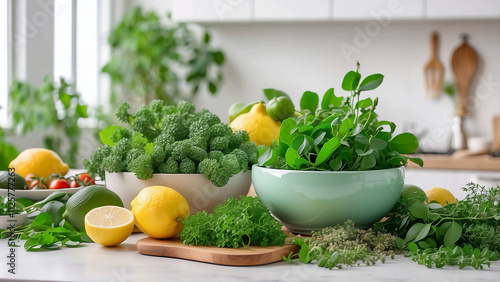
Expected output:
{"points": [[172, 139]]}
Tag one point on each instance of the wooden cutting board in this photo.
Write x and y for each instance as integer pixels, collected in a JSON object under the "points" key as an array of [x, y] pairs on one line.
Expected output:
{"points": [[174, 248]]}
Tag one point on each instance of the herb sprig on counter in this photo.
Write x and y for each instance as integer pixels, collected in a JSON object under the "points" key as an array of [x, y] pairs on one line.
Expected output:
{"points": [[234, 223], [436, 236], [344, 245]]}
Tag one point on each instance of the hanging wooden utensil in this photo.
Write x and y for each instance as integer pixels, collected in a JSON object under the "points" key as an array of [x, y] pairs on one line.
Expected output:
{"points": [[464, 64], [434, 70]]}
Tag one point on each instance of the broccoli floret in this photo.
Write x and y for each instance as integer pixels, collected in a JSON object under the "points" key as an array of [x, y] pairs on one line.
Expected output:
{"points": [[133, 154], [123, 114], [181, 149], [113, 163], [146, 123], [187, 166], [242, 158], [160, 152], [215, 155], [94, 164], [209, 117], [185, 107], [176, 126], [219, 143], [198, 154], [220, 129], [280, 163], [170, 166], [230, 164], [211, 169], [237, 138], [199, 128], [199, 142], [142, 166], [251, 150]]}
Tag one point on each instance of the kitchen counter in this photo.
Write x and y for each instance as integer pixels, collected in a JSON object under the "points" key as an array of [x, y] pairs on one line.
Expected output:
{"points": [[459, 162], [92, 262]]}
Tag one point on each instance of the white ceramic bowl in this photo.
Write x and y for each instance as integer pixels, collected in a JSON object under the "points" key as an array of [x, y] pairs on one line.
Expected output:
{"points": [[199, 192], [17, 220]]}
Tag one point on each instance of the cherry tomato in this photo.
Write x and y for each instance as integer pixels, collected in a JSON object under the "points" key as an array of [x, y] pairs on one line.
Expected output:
{"points": [[29, 179], [34, 185], [86, 179], [74, 184], [58, 184]]}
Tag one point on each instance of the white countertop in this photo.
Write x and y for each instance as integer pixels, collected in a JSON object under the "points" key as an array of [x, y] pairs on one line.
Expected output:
{"points": [[92, 262]]}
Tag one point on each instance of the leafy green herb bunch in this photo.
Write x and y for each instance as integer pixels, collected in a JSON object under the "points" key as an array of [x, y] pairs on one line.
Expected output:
{"points": [[172, 139], [341, 133]]}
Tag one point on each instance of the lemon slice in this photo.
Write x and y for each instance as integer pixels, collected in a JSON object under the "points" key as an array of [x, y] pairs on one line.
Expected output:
{"points": [[109, 225]]}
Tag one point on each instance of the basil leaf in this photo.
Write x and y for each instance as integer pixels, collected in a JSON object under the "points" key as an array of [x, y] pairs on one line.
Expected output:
{"points": [[330, 100], [371, 82], [423, 232], [404, 143], [291, 156], [419, 210], [452, 234], [351, 81], [309, 101], [286, 135], [327, 150]]}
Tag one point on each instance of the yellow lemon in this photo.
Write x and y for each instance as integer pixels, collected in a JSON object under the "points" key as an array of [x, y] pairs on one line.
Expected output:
{"points": [[42, 162], [440, 195], [159, 211], [261, 128], [109, 225]]}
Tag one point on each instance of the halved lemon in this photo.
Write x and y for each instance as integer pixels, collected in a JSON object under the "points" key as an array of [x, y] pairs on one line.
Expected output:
{"points": [[109, 225]]}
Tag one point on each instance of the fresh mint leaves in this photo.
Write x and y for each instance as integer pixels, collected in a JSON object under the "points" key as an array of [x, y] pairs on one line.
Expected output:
{"points": [[340, 133]]}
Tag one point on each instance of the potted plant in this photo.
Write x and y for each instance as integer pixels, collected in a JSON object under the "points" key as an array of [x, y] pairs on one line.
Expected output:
{"points": [[335, 161], [175, 146]]}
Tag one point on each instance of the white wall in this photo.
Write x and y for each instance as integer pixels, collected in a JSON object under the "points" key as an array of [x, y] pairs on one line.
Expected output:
{"points": [[296, 57]]}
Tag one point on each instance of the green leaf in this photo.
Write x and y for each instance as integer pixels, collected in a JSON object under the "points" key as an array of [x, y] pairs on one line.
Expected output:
{"points": [[414, 231], [351, 81], [239, 108], [418, 161], [320, 135], [309, 101], [54, 196], [371, 82], [327, 150], [72, 244], [206, 37], [365, 103], [266, 157], [453, 233], [274, 93], [346, 126], [330, 100], [423, 233], [392, 125], [336, 164], [81, 110], [286, 135], [368, 162], [419, 210], [218, 58], [378, 144], [65, 100], [212, 87], [55, 209], [107, 133], [412, 247], [404, 143], [291, 156]]}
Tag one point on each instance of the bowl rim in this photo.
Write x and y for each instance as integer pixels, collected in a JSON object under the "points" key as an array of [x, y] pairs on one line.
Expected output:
{"points": [[329, 171], [179, 173]]}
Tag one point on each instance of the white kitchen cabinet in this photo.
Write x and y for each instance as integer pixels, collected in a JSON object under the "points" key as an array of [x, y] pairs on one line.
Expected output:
{"points": [[383, 10], [453, 180], [212, 10], [463, 9], [292, 10]]}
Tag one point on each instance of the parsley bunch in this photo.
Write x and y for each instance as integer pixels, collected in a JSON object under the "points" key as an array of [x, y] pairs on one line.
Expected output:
{"points": [[234, 223]]}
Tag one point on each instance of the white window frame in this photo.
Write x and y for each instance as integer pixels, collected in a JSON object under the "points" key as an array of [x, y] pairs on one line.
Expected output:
{"points": [[5, 61]]}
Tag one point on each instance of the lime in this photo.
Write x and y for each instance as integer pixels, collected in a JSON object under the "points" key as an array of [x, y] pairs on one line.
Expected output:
{"points": [[109, 225], [86, 199], [280, 108], [12, 180], [413, 192]]}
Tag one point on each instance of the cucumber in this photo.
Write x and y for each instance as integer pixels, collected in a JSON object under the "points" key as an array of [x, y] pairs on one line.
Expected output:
{"points": [[16, 181]]}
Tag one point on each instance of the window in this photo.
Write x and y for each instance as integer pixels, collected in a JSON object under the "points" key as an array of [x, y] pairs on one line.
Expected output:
{"points": [[4, 61]]}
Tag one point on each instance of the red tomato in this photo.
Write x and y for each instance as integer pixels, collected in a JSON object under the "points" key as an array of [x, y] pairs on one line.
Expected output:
{"points": [[34, 185], [29, 180], [58, 184], [86, 179], [74, 184]]}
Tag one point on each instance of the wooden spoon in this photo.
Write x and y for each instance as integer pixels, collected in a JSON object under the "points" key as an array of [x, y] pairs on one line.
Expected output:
{"points": [[464, 64], [434, 70]]}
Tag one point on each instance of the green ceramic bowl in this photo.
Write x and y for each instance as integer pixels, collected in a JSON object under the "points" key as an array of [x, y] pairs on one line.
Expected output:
{"points": [[311, 200]]}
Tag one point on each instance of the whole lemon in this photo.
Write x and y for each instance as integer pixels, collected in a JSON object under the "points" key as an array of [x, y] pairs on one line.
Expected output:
{"points": [[440, 195], [42, 162], [159, 211], [261, 128]]}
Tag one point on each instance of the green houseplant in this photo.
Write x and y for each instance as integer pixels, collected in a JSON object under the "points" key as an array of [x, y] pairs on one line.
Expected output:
{"points": [[155, 59], [335, 154]]}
